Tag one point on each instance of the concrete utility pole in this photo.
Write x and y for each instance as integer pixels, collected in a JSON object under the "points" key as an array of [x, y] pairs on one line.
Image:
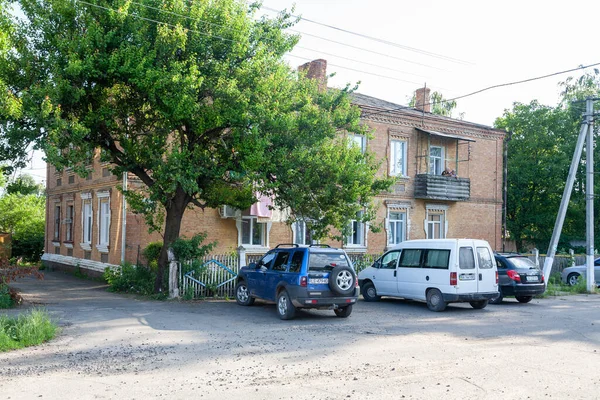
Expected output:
{"points": [[589, 196], [586, 132]]}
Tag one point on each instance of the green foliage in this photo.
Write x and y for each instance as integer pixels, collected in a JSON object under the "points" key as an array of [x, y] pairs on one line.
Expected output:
{"points": [[24, 216], [191, 249], [29, 329], [6, 300], [152, 252], [130, 279], [203, 114], [24, 185]]}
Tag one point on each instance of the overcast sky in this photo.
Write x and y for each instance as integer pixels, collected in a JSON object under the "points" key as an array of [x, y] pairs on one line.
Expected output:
{"points": [[458, 47]]}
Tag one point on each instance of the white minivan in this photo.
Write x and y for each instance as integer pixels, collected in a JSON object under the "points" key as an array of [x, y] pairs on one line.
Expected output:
{"points": [[438, 271]]}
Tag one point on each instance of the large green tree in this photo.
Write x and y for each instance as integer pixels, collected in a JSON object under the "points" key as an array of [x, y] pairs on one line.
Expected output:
{"points": [[540, 150], [194, 99]]}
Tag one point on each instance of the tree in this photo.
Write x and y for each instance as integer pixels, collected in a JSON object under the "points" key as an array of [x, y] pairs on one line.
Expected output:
{"points": [[439, 105], [25, 185], [195, 100], [24, 217]]}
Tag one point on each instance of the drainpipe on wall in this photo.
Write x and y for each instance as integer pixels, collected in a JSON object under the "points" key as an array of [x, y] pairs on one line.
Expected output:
{"points": [[505, 188], [124, 219]]}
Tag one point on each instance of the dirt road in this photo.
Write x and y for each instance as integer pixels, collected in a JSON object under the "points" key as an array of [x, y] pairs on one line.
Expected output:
{"points": [[119, 347]]}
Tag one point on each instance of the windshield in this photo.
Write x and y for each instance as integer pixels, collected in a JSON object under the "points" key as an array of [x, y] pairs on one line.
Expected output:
{"points": [[523, 262], [326, 261]]}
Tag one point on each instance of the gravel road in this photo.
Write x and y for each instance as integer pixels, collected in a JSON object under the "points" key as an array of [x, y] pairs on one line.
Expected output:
{"points": [[120, 347]]}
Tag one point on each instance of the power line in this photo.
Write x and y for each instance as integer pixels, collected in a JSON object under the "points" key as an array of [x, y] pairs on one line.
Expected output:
{"points": [[234, 41], [489, 88], [291, 30], [384, 41]]}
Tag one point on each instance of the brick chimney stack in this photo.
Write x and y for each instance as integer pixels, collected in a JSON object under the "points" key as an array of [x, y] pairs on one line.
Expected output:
{"points": [[316, 69], [422, 99]]}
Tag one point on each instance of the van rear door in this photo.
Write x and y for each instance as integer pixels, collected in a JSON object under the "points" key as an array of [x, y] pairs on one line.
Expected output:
{"points": [[486, 277], [467, 275]]}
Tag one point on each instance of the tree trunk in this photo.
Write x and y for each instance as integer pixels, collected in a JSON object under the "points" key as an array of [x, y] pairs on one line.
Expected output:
{"points": [[174, 212]]}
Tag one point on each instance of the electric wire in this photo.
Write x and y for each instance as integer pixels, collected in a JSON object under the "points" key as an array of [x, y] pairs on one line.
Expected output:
{"points": [[581, 67], [384, 41]]}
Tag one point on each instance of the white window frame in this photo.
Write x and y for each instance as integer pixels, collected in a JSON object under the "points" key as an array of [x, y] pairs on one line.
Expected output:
{"points": [[253, 222], [398, 155], [104, 221], [436, 163], [394, 224], [87, 221], [436, 209], [359, 140], [299, 233], [359, 229], [69, 222], [57, 224]]}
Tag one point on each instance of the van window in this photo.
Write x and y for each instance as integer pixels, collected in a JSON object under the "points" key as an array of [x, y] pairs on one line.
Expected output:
{"points": [[390, 260], [466, 259], [485, 258], [410, 258], [436, 259]]}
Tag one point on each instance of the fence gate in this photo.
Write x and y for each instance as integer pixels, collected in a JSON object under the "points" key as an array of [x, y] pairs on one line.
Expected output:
{"points": [[212, 278]]}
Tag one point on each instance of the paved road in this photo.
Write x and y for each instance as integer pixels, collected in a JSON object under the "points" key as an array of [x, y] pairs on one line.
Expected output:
{"points": [[119, 347]]}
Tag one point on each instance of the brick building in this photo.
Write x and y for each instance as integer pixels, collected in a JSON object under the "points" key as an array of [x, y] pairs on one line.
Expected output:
{"points": [[86, 225]]}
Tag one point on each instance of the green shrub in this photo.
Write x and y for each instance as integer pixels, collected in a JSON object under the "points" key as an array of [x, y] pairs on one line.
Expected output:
{"points": [[5, 297], [28, 329], [191, 249], [130, 278], [152, 252]]}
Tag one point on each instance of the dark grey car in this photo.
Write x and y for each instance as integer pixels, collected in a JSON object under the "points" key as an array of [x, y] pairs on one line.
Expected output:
{"points": [[518, 276]]}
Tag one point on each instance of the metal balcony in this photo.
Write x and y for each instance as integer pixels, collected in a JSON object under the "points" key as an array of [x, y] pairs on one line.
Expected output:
{"points": [[438, 187]]}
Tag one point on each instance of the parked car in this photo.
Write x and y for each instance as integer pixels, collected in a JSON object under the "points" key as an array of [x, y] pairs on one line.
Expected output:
{"points": [[518, 276], [294, 277], [437, 271], [571, 275]]}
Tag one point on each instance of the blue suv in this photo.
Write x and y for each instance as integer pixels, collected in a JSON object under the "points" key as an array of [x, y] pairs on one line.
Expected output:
{"points": [[294, 277]]}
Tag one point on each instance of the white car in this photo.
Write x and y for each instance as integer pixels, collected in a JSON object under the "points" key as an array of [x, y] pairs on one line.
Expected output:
{"points": [[571, 275]]}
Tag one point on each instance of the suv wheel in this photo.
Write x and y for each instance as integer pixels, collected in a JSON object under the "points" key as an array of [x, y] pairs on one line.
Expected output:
{"points": [[369, 292], [342, 280], [343, 312], [435, 300], [242, 295], [285, 308]]}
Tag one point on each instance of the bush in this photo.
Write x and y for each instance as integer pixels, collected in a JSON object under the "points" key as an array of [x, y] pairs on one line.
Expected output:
{"points": [[191, 249], [29, 248], [151, 253], [130, 279], [28, 329], [6, 300]]}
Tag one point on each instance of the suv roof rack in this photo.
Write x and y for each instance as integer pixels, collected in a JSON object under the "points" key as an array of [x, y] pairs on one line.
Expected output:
{"points": [[286, 244], [320, 245]]}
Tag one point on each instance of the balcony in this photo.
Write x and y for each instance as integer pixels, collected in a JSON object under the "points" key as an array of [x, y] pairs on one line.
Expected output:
{"points": [[438, 187]]}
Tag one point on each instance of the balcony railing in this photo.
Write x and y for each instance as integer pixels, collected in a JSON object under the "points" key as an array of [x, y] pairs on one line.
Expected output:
{"points": [[438, 187]]}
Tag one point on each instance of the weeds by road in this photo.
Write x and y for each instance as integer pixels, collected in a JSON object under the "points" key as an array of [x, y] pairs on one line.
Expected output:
{"points": [[29, 329]]}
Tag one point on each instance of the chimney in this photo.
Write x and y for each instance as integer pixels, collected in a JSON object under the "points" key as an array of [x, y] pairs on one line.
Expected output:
{"points": [[316, 69], [422, 99]]}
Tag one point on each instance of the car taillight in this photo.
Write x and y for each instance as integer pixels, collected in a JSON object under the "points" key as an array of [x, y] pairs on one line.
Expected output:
{"points": [[496, 277], [355, 282], [514, 275], [303, 281], [542, 278], [453, 280]]}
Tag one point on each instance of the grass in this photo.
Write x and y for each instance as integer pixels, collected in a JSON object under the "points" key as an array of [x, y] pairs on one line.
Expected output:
{"points": [[557, 288], [29, 329], [6, 300]]}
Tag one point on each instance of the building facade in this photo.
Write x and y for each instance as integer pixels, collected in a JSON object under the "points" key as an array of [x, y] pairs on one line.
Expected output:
{"points": [[449, 184]]}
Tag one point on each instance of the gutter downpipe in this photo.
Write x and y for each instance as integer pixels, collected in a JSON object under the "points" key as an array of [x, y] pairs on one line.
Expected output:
{"points": [[124, 219]]}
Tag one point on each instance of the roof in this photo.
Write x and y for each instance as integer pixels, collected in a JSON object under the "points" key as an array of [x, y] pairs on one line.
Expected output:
{"points": [[362, 100]]}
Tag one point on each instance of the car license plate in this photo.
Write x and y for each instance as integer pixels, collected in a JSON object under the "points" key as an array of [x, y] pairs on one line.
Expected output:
{"points": [[532, 279], [318, 281]]}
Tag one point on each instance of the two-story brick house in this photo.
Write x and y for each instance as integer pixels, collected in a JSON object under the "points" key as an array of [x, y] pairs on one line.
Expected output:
{"points": [[87, 226]]}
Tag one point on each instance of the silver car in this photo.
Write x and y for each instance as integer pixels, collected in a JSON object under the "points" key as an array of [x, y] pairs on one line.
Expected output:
{"points": [[571, 275]]}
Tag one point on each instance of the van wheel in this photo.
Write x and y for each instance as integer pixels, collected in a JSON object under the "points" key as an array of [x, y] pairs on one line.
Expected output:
{"points": [[435, 300], [498, 299], [479, 304], [369, 292], [343, 312], [285, 308], [523, 299]]}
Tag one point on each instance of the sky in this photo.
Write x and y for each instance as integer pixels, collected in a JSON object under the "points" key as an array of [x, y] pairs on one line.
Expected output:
{"points": [[456, 48]]}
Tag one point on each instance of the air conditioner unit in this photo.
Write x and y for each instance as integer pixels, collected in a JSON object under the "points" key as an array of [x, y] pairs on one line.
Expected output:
{"points": [[228, 212]]}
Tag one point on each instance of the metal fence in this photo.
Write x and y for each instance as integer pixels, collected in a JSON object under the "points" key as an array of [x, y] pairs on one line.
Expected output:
{"points": [[212, 276]]}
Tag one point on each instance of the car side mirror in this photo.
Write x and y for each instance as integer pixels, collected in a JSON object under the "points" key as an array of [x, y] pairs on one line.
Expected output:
{"points": [[377, 264], [252, 265]]}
